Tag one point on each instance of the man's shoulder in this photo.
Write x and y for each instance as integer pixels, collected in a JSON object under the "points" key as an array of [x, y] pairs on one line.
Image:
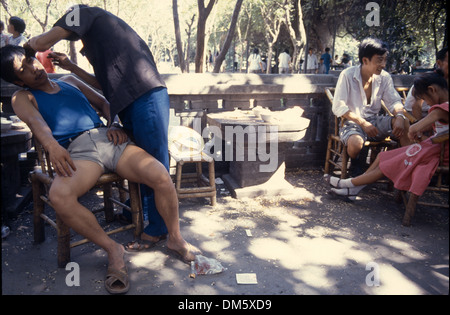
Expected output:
{"points": [[385, 75], [21, 93], [350, 71], [21, 96]]}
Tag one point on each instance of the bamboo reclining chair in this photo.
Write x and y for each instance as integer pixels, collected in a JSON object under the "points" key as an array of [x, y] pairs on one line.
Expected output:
{"points": [[42, 178], [337, 158], [411, 201]]}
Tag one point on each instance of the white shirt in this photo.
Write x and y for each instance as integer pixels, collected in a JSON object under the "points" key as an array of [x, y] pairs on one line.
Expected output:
{"points": [[284, 60], [350, 95], [254, 61], [410, 100], [18, 41], [312, 62]]}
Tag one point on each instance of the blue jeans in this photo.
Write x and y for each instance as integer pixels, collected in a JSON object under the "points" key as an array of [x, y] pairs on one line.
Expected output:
{"points": [[147, 118]]}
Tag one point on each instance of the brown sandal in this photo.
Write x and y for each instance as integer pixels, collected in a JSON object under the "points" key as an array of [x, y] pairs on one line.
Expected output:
{"points": [[116, 281], [140, 245]]}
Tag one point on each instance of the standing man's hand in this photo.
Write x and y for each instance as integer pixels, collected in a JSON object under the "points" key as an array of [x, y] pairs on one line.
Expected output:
{"points": [[29, 51], [61, 60]]}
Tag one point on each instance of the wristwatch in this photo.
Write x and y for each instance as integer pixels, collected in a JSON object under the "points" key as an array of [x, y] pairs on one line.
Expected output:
{"points": [[401, 115], [116, 124]]}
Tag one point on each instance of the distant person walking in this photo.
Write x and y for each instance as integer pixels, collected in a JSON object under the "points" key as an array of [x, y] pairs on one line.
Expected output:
{"points": [[255, 62], [326, 60], [311, 65], [284, 60]]}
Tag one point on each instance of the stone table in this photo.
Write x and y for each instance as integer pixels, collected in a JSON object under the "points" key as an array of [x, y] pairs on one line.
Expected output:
{"points": [[256, 149]]}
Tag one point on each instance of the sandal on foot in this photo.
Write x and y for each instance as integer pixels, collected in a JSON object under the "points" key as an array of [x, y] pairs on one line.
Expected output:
{"points": [[327, 179], [140, 245], [343, 194], [116, 281]]}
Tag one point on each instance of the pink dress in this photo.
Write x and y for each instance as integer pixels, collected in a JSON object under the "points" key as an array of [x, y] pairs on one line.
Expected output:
{"points": [[411, 168]]}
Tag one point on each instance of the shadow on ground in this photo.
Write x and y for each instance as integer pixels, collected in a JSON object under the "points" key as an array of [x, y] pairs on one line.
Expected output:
{"points": [[307, 243]]}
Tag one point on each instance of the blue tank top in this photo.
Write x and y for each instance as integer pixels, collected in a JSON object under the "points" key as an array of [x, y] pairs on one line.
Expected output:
{"points": [[68, 112]]}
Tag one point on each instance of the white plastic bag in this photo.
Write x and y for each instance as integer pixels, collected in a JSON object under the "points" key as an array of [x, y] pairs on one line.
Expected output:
{"points": [[185, 142], [205, 266]]}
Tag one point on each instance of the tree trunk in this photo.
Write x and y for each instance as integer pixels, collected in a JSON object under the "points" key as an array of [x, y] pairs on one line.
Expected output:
{"points": [[203, 13], [297, 32], [229, 38], [176, 22]]}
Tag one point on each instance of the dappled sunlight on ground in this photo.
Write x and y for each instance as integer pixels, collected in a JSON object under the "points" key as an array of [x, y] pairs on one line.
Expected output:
{"points": [[304, 243]]}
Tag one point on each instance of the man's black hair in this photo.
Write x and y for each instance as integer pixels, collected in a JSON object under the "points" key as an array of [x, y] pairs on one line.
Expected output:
{"points": [[423, 81], [18, 23], [7, 55], [370, 47]]}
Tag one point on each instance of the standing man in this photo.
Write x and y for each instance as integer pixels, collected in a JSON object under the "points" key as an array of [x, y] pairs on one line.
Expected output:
{"points": [[326, 60], [284, 60], [126, 73], [312, 64]]}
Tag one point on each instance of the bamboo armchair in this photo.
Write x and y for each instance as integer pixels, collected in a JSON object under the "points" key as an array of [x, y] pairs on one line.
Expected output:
{"points": [[42, 179]]}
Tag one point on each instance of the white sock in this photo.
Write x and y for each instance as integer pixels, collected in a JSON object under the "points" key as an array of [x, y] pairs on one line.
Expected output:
{"points": [[350, 191], [341, 183]]}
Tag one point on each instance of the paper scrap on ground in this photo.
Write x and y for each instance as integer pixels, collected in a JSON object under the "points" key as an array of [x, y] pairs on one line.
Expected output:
{"points": [[246, 278], [249, 233]]}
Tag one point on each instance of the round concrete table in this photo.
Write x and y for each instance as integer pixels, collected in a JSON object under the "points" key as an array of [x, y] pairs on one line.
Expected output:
{"points": [[251, 176]]}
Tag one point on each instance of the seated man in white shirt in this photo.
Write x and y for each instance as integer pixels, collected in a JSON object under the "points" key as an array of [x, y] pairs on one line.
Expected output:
{"points": [[358, 96]]}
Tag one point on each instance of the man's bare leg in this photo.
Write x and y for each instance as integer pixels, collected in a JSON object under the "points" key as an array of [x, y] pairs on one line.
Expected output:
{"points": [[138, 166], [64, 194]]}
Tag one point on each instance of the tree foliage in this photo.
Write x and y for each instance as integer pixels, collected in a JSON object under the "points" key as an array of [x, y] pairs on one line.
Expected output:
{"points": [[413, 29]]}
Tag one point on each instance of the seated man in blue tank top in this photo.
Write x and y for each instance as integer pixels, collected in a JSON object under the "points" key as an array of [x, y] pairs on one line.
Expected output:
{"points": [[81, 149]]}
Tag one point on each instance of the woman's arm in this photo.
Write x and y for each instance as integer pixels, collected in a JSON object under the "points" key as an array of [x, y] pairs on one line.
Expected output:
{"points": [[415, 131]]}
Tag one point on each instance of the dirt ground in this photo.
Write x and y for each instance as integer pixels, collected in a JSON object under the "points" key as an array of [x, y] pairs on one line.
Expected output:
{"points": [[307, 243]]}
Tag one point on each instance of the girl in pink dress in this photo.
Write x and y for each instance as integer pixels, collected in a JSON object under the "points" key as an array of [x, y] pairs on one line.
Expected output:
{"points": [[410, 168]]}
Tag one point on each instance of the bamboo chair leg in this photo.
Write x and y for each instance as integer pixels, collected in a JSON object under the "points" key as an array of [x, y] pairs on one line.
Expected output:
{"points": [[108, 204], [38, 209], [136, 209], [178, 176], [328, 157], [63, 250], [212, 182], [410, 209]]}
